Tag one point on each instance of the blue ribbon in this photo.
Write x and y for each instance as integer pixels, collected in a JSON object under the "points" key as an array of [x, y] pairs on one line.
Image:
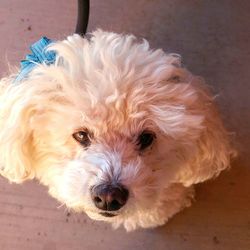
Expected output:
{"points": [[39, 56]]}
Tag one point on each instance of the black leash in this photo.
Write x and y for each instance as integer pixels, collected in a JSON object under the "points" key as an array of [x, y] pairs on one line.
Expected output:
{"points": [[82, 17]]}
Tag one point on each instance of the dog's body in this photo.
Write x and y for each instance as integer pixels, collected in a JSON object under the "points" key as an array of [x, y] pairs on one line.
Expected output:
{"points": [[144, 130]]}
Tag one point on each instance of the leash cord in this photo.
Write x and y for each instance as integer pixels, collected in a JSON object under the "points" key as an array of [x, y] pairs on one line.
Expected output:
{"points": [[82, 17]]}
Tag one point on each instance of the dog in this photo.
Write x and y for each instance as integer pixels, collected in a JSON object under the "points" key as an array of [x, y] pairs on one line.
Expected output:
{"points": [[113, 129]]}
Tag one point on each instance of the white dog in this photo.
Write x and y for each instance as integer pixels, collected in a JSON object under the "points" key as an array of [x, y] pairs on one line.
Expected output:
{"points": [[114, 129]]}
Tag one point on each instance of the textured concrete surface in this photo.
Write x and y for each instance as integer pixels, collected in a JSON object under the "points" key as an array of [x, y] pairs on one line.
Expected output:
{"points": [[214, 39]]}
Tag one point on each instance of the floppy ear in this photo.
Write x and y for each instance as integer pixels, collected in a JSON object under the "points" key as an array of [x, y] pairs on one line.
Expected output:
{"points": [[213, 151], [16, 111], [189, 116]]}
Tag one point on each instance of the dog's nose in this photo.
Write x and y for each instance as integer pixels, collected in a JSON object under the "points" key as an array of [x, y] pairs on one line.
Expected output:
{"points": [[109, 197]]}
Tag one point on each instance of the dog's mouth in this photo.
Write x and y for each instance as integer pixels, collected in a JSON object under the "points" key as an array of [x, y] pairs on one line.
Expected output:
{"points": [[106, 214]]}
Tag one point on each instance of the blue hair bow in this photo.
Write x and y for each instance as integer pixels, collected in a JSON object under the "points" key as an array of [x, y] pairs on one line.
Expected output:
{"points": [[39, 56]]}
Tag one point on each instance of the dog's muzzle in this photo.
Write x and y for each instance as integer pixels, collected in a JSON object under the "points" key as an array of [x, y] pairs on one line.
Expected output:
{"points": [[109, 197]]}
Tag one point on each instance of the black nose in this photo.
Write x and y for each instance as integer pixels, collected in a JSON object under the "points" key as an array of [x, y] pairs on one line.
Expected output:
{"points": [[109, 197]]}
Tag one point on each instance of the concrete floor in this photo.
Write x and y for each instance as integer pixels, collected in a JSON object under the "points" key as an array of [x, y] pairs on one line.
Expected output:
{"points": [[214, 39]]}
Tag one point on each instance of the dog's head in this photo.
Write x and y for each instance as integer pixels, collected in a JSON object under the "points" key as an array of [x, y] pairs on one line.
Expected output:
{"points": [[110, 125]]}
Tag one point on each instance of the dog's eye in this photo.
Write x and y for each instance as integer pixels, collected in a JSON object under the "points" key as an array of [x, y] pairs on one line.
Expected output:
{"points": [[82, 137], [145, 139]]}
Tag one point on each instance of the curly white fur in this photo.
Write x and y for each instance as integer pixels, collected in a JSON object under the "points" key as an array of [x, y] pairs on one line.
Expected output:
{"points": [[115, 87]]}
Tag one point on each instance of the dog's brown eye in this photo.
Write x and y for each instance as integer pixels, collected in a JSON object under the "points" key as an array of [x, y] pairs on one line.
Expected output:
{"points": [[82, 137], [145, 139]]}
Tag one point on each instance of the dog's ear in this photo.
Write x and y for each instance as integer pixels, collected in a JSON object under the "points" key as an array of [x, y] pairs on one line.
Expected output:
{"points": [[189, 117], [212, 152], [16, 110]]}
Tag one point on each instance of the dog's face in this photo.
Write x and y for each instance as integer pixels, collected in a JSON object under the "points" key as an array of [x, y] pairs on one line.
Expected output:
{"points": [[110, 126]]}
